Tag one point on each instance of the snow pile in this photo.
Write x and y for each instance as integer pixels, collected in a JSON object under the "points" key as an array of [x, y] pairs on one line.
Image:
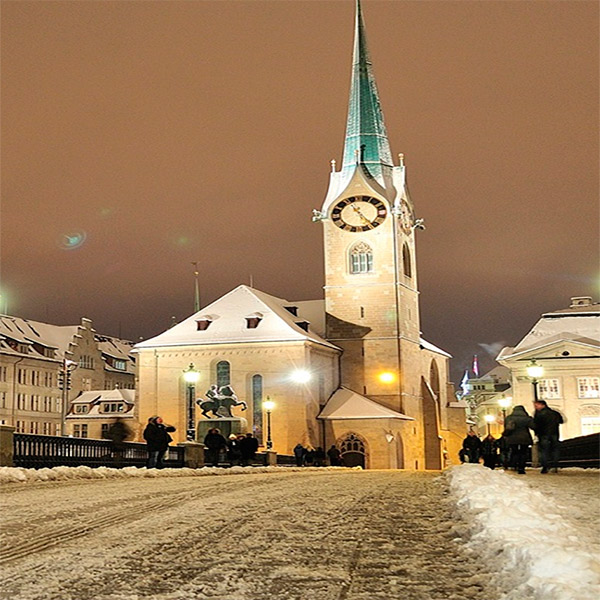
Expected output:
{"points": [[520, 531], [21, 475]]}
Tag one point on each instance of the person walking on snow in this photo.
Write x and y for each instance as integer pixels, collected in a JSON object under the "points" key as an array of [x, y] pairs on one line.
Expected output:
{"points": [[157, 439], [489, 451], [472, 447], [299, 453], [248, 448], [334, 456], [215, 443], [546, 424], [517, 436]]}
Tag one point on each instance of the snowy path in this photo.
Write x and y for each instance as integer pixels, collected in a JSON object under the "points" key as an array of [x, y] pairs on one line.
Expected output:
{"points": [[331, 535]]}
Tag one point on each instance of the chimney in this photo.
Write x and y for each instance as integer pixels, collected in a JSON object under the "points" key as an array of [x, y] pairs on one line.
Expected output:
{"points": [[581, 301]]}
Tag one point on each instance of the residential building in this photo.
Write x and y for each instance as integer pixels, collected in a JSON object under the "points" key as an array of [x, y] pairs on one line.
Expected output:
{"points": [[566, 343]]}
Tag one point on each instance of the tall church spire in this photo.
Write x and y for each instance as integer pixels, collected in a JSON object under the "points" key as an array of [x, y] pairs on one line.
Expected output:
{"points": [[366, 136]]}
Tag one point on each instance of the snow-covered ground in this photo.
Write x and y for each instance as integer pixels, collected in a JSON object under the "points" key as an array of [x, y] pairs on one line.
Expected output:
{"points": [[298, 534], [541, 531]]}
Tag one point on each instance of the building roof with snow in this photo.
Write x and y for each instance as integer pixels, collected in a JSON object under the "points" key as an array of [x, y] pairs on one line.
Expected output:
{"points": [[244, 315], [345, 404], [103, 404], [579, 323]]}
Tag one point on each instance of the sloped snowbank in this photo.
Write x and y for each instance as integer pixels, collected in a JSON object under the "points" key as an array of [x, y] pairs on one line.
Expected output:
{"points": [[512, 525], [20, 475]]}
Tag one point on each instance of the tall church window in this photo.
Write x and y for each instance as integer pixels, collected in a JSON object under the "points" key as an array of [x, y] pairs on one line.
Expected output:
{"points": [[406, 264], [361, 258], [223, 373], [257, 408]]}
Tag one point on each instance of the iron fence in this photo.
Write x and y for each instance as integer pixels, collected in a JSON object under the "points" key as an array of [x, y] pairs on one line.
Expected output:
{"points": [[581, 451], [38, 451]]}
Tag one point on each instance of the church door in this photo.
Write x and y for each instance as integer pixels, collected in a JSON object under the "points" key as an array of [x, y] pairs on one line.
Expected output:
{"points": [[352, 448]]}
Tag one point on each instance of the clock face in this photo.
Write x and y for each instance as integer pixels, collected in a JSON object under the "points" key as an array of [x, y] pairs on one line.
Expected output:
{"points": [[358, 213], [406, 217]]}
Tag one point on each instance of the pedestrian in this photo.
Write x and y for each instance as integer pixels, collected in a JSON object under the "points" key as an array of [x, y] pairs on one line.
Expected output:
{"points": [[157, 439], [489, 451], [546, 426], [118, 433], [309, 457], [472, 447], [215, 444], [320, 457], [234, 453], [517, 436], [248, 448], [299, 453], [334, 456]]}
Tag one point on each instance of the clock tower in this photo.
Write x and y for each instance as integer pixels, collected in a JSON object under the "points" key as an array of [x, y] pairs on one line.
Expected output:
{"points": [[371, 294]]}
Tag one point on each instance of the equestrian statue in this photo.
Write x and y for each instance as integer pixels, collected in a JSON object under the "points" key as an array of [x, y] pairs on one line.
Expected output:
{"points": [[219, 401]]}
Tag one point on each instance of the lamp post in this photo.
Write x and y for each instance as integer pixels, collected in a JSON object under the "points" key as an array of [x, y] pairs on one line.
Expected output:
{"points": [[269, 405], [489, 419], [535, 371], [64, 384], [504, 404], [191, 377]]}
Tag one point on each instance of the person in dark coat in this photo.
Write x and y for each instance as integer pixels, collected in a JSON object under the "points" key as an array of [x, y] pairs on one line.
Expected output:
{"points": [[320, 457], [234, 454], [215, 443], [546, 425], [157, 439], [489, 451], [517, 436], [248, 448], [299, 453], [309, 457], [334, 456], [118, 433], [472, 447]]}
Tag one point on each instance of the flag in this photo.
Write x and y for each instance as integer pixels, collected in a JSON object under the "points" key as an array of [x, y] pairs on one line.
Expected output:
{"points": [[475, 366]]}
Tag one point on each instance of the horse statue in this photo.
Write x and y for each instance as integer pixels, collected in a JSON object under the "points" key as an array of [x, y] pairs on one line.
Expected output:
{"points": [[219, 402]]}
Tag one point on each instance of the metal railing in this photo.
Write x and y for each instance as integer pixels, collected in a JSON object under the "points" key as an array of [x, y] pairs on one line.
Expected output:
{"points": [[37, 451], [581, 451]]}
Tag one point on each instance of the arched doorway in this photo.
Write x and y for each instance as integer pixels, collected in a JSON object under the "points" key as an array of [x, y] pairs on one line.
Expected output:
{"points": [[353, 450]]}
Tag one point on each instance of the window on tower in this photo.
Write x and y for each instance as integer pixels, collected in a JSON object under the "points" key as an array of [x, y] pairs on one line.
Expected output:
{"points": [[406, 264], [361, 258]]}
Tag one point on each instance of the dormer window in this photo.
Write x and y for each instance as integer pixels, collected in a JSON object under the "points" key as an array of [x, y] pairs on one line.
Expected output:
{"points": [[203, 324], [302, 325], [292, 309], [252, 321], [119, 364]]}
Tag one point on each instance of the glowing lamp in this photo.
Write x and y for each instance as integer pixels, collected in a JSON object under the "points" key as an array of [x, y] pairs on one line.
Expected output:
{"points": [[534, 370], [190, 375], [387, 377], [268, 405], [489, 418], [300, 376], [505, 402]]}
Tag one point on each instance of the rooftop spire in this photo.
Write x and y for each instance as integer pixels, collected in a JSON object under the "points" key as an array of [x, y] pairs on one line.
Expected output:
{"points": [[366, 137]]}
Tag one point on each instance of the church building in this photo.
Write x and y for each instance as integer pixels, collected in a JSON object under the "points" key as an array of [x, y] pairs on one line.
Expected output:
{"points": [[350, 370]]}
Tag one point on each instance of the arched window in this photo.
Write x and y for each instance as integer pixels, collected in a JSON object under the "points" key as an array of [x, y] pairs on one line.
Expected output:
{"points": [[353, 450], [434, 378], [361, 258], [406, 264], [223, 373], [257, 409]]}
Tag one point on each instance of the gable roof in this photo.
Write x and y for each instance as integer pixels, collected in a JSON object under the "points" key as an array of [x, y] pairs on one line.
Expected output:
{"points": [[227, 323], [345, 404]]}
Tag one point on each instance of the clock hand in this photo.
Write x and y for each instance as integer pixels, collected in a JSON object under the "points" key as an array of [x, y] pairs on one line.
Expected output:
{"points": [[359, 213]]}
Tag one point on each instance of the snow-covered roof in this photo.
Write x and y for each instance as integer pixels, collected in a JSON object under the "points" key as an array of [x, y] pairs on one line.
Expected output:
{"points": [[94, 399], [227, 322], [429, 346], [345, 404]]}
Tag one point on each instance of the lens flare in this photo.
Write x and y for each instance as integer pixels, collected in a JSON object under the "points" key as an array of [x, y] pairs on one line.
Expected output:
{"points": [[387, 377], [72, 240]]}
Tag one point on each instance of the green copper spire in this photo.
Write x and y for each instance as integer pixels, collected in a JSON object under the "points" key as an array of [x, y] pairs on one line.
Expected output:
{"points": [[366, 137]]}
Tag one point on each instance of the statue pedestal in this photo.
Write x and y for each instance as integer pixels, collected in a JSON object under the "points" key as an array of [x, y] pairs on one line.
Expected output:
{"points": [[226, 425]]}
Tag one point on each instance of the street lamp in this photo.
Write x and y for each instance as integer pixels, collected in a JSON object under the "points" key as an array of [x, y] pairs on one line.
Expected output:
{"points": [[489, 419], [504, 404], [535, 371], [300, 376], [269, 405], [64, 384], [191, 377]]}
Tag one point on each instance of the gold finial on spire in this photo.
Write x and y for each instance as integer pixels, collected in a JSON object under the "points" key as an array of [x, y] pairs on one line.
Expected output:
{"points": [[401, 158], [333, 165]]}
